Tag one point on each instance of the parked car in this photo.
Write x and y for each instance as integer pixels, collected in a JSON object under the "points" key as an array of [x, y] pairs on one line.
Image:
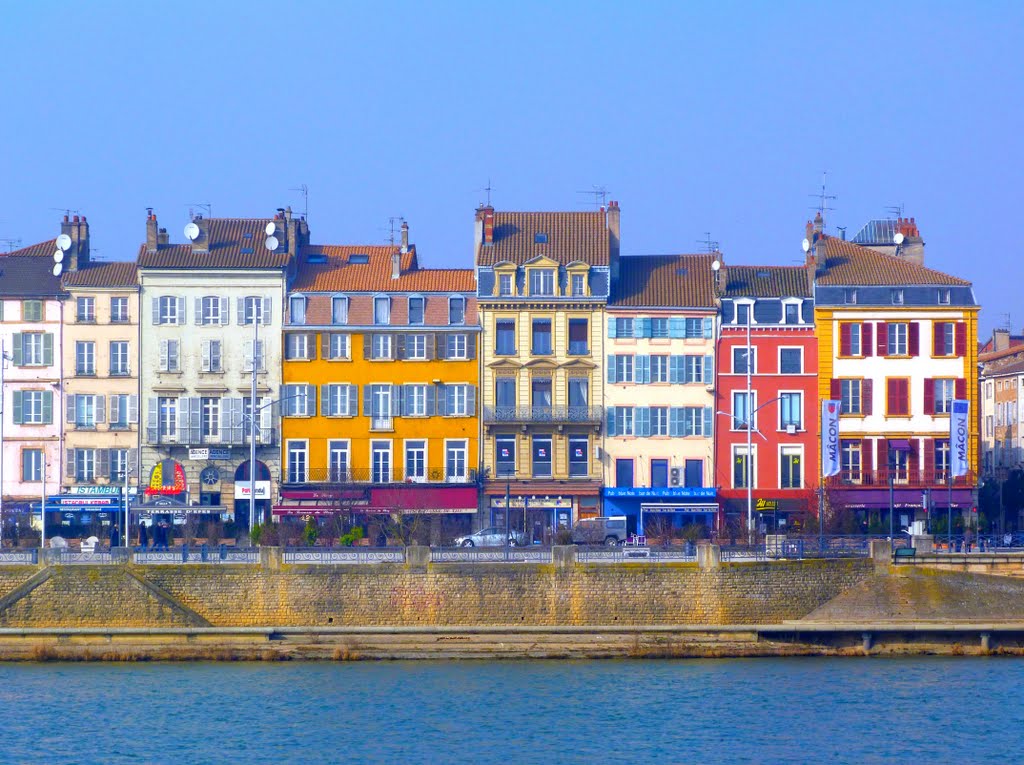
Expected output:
{"points": [[609, 530], [491, 537]]}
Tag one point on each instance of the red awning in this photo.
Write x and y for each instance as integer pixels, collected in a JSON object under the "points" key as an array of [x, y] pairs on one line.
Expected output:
{"points": [[422, 499], [322, 494], [280, 511], [900, 445]]}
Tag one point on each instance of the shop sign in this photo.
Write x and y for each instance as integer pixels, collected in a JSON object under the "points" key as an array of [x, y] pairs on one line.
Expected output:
{"points": [[73, 501], [242, 490], [766, 505], [212, 453], [685, 492], [538, 503], [102, 491]]}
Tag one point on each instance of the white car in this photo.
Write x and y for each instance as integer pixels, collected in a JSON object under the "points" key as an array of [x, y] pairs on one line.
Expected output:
{"points": [[490, 537]]}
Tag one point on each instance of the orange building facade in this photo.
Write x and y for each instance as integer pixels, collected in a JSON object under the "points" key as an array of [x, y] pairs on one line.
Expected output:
{"points": [[379, 405]]}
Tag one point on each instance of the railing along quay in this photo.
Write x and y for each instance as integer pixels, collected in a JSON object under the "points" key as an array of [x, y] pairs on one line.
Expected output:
{"points": [[490, 554], [619, 554], [201, 554], [343, 555]]}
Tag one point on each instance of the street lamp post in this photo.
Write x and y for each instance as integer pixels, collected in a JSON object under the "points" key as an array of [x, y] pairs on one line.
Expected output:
{"points": [[3, 361], [892, 504], [256, 310]]}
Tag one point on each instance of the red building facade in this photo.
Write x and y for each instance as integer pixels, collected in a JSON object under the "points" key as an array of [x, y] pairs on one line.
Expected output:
{"points": [[767, 327]]}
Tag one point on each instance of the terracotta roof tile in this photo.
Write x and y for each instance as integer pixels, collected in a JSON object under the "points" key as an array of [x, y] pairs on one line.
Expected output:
{"points": [[849, 264], [654, 281], [28, 276], [228, 238], [571, 237], [338, 274], [113, 274], [767, 281], [34, 250]]}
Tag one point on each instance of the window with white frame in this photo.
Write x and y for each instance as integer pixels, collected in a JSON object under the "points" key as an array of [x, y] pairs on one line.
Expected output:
{"points": [[742, 468], [791, 361], [659, 420], [659, 327], [31, 465], [624, 368], [252, 310], [741, 356], [456, 400], [416, 347], [693, 369], [296, 346], [945, 391], [457, 346], [505, 282], [339, 400], [167, 409], [297, 401], [850, 396], [85, 464], [743, 311], [33, 349], [210, 416], [578, 285], [622, 417], [791, 313], [850, 460], [382, 310], [119, 310], [85, 312], [457, 310], [897, 336], [211, 360], [380, 347], [659, 368], [210, 310], [261, 356], [118, 464], [791, 410], [693, 421], [85, 357], [623, 327], [170, 356], [416, 460], [167, 310], [119, 358], [380, 402], [85, 411], [380, 461], [897, 296], [339, 309], [943, 297], [455, 461], [297, 309], [297, 461], [338, 460], [33, 407], [416, 309], [742, 406], [693, 328], [542, 281], [415, 400], [123, 411], [791, 467], [338, 346]]}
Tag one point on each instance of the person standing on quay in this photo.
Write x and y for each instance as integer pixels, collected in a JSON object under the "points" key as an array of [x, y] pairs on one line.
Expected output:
{"points": [[143, 536], [115, 537]]}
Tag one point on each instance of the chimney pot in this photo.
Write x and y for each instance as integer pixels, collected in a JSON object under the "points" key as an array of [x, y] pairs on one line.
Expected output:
{"points": [[405, 236], [396, 265], [65, 218]]}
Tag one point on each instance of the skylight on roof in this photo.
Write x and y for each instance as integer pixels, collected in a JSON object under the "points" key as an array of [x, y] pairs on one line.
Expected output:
{"points": [[247, 251], [540, 238], [316, 258], [358, 258], [247, 235]]}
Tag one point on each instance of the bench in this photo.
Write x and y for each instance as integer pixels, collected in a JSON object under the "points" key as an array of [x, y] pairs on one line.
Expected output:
{"points": [[904, 552]]}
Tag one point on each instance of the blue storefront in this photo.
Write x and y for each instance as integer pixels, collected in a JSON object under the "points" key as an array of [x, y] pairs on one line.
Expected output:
{"points": [[679, 505]]}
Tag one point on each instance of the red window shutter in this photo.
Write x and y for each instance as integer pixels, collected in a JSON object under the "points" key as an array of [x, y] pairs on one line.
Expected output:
{"points": [[837, 389], [937, 332], [961, 338], [865, 454], [960, 388], [882, 459], [882, 346], [904, 396], [844, 339], [929, 396], [929, 459], [914, 342], [866, 396], [890, 397], [913, 460], [865, 339]]}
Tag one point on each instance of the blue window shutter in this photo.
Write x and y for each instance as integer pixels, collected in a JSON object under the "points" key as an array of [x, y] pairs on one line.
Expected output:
{"points": [[709, 369], [16, 350], [611, 421], [471, 400], [47, 407], [367, 399], [707, 326], [18, 411], [353, 400], [643, 369], [676, 328], [431, 400], [442, 400], [675, 369], [708, 414], [675, 421], [611, 370], [611, 328], [642, 419]]}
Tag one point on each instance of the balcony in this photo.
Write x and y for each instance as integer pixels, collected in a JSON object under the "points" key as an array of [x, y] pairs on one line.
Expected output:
{"points": [[914, 479], [382, 424], [226, 437], [544, 415], [365, 476]]}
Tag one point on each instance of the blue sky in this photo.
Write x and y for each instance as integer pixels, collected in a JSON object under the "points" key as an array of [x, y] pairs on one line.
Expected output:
{"points": [[716, 117]]}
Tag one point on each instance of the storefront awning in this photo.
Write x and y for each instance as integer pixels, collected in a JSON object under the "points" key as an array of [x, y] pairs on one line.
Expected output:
{"points": [[423, 499], [900, 445], [289, 511]]}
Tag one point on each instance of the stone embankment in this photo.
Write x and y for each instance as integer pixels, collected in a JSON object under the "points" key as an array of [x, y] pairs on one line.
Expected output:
{"points": [[420, 609]]}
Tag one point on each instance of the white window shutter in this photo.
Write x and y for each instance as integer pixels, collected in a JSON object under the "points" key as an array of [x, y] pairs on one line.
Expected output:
{"points": [[156, 310], [69, 402], [100, 403], [163, 355], [225, 310], [115, 409], [206, 355], [241, 311], [133, 409], [268, 304], [199, 310], [181, 311]]}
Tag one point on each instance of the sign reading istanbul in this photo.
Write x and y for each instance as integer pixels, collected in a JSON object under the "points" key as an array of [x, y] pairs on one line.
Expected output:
{"points": [[958, 430], [830, 438]]}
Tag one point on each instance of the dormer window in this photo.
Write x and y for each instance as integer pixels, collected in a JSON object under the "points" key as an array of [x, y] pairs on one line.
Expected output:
{"points": [[542, 282], [416, 309], [457, 310], [791, 311], [743, 314], [339, 309], [578, 285], [297, 309], [382, 310], [851, 297], [944, 297], [897, 297], [505, 284], [539, 238]]}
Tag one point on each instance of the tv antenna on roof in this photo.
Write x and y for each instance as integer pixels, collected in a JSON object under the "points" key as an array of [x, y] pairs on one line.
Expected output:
{"points": [[896, 210], [12, 244], [710, 245], [600, 194], [65, 210], [303, 189], [487, 190], [823, 199], [201, 205], [391, 226]]}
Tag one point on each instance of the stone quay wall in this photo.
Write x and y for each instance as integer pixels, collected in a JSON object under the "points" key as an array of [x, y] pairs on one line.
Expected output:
{"points": [[420, 594]]}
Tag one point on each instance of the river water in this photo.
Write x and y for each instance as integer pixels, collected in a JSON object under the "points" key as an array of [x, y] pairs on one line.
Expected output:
{"points": [[930, 710]]}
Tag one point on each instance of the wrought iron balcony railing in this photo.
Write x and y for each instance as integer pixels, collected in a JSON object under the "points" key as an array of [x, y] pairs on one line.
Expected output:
{"points": [[543, 414], [909, 478]]}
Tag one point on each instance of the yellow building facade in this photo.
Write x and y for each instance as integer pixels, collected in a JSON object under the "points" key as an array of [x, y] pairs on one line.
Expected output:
{"points": [[379, 405], [542, 283]]}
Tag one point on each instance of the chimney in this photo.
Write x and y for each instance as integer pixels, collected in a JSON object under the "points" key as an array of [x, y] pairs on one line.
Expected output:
{"points": [[912, 249], [811, 266], [78, 230], [152, 232], [162, 238], [396, 265], [612, 218], [488, 213], [1000, 339], [405, 237], [202, 242], [819, 227]]}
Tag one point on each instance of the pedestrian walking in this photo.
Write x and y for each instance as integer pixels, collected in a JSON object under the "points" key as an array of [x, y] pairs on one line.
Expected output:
{"points": [[115, 537], [968, 539], [143, 536]]}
